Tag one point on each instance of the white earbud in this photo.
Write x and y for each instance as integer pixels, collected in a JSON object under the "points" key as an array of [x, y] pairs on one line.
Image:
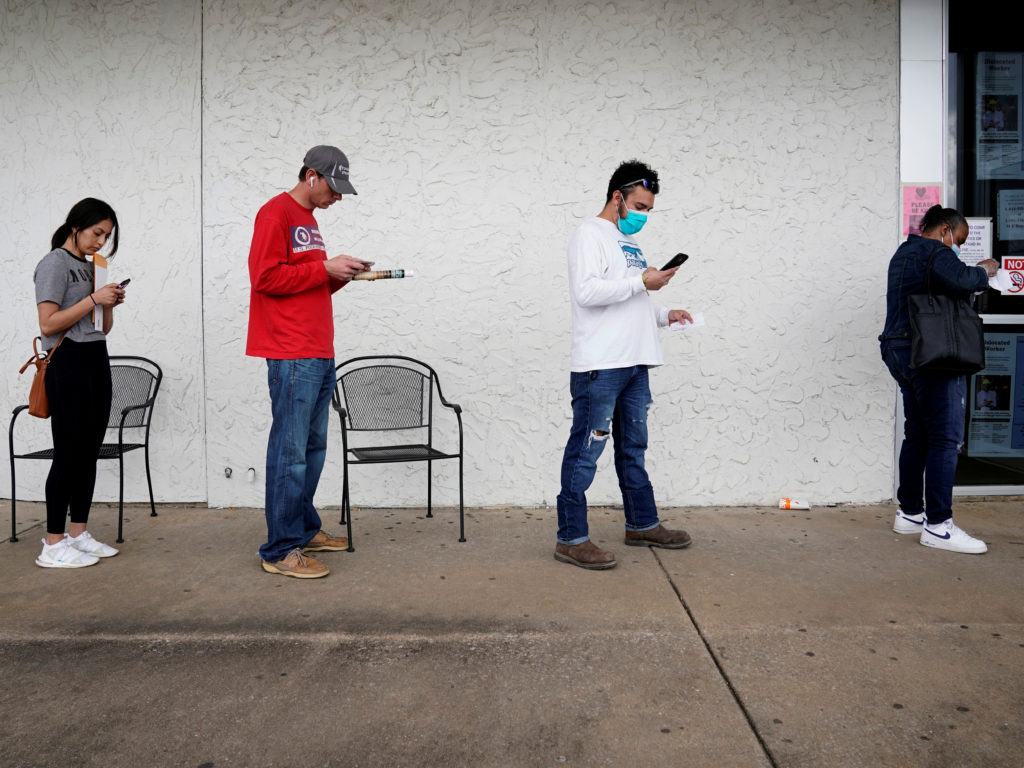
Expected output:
{"points": [[310, 183]]}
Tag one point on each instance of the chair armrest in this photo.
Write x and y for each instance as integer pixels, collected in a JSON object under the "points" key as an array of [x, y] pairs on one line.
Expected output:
{"points": [[14, 416], [130, 408], [336, 401], [454, 406]]}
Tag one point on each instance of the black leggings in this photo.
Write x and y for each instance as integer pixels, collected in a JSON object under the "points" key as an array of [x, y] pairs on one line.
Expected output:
{"points": [[78, 388]]}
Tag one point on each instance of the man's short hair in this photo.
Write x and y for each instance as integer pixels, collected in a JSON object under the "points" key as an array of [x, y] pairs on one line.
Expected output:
{"points": [[305, 170], [631, 173]]}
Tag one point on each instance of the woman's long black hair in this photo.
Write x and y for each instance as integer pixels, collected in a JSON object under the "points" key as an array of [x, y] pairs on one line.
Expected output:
{"points": [[85, 213]]}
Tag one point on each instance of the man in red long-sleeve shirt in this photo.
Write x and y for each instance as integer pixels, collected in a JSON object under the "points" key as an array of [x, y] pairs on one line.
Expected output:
{"points": [[291, 325]]}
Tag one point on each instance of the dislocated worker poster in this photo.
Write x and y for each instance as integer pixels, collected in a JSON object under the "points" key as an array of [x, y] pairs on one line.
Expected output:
{"points": [[996, 399], [999, 86]]}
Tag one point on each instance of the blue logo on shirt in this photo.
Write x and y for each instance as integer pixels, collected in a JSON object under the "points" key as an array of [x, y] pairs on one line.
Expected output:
{"points": [[634, 256], [306, 239]]}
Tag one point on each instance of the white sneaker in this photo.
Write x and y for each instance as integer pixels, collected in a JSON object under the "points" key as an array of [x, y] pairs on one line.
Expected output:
{"points": [[908, 523], [63, 555], [946, 535], [84, 542]]}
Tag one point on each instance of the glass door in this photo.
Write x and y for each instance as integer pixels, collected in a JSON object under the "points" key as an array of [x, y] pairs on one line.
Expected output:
{"points": [[985, 78]]}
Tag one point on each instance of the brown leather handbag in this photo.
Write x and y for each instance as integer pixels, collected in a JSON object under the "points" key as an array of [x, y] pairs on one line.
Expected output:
{"points": [[38, 404]]}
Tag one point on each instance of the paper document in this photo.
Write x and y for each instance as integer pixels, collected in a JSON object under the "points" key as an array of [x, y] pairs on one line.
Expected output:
{"points": [[1002, 281], [98, 281], [698, 319]]}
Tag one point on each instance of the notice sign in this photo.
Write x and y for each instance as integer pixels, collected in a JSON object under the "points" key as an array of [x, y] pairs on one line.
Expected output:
{"points": [[978, 245], [1011, 214], [1014, 265]]}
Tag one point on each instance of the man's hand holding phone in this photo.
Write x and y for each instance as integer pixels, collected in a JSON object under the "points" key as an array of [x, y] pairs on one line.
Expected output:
{"points": [[656, 279]]}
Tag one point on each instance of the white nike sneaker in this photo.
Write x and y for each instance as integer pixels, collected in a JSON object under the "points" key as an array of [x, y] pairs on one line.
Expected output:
{"points": [[908, 523], [946, 535], [84, 542], [63, 555]]}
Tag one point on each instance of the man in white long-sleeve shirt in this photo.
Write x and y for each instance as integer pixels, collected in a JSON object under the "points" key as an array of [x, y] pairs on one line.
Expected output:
{"points": [[614, 342]]}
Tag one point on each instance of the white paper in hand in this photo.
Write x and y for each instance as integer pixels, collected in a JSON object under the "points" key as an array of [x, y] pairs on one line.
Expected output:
{"points": [[698, 319], [1001, 281]]}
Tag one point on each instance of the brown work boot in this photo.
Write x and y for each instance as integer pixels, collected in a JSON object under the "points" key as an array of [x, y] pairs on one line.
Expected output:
{"points": [[658, 537], [586, 555], [298, 565], [324, 542]]}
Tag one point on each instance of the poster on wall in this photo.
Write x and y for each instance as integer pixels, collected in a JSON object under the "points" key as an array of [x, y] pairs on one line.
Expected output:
{"points": [[999, 88], [918, 198], [996, 399]]}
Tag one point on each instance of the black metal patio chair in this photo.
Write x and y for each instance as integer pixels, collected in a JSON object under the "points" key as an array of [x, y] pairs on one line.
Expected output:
{"points": [[388, 394], [135, 384]]}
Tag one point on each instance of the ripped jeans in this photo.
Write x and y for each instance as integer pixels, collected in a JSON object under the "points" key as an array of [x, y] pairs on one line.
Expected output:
{"points": [[607, 404], [934, 409]]}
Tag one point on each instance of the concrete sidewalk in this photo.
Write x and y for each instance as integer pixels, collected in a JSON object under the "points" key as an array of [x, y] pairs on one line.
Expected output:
{"points": [[780, 638]]}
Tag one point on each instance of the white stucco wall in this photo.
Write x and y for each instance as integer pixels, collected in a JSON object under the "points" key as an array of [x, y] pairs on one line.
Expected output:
{"points": [[479, 135], [102, 100]]}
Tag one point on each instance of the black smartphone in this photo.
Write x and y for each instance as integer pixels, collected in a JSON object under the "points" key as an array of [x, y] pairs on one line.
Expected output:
{"points": [[124, 282], [678, 260]]}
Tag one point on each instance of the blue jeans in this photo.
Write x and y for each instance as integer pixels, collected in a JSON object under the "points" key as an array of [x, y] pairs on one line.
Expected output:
{"points": [[609, 403], [300, 394], [934, 408]]}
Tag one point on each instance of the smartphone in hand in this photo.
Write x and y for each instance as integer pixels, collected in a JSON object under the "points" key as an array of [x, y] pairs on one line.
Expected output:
{"points": [[124, 282], [678, 260]]}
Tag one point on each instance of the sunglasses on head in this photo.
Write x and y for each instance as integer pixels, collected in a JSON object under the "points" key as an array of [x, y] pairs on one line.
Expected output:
{"points": [[652, 187]]}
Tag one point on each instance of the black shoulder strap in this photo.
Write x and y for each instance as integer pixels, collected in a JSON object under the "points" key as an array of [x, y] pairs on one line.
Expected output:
{"points": [[928, 272]]}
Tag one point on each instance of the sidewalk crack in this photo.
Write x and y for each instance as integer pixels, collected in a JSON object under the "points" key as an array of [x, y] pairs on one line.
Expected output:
{"points": [[717, 661]]}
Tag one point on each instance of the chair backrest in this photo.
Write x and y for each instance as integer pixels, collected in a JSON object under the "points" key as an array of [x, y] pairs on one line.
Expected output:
{"points": [[135, 381], [381, 397]]}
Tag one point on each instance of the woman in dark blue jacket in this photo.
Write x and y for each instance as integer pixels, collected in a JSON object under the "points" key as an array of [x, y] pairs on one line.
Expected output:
{"points": [[933, 403]]}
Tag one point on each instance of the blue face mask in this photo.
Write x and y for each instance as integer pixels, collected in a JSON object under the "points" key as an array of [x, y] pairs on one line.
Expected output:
{"points": [[633, 222], [953, 245]]}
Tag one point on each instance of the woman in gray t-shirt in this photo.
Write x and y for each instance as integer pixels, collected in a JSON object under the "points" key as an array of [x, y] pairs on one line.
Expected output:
{"points": [[77, 378]]}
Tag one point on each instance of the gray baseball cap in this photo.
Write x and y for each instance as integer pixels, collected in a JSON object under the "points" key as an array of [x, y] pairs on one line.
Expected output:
{"points": [[331, 163]]}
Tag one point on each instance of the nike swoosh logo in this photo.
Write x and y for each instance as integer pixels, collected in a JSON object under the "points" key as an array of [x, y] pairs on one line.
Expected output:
{"points": [[946, 535]]}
